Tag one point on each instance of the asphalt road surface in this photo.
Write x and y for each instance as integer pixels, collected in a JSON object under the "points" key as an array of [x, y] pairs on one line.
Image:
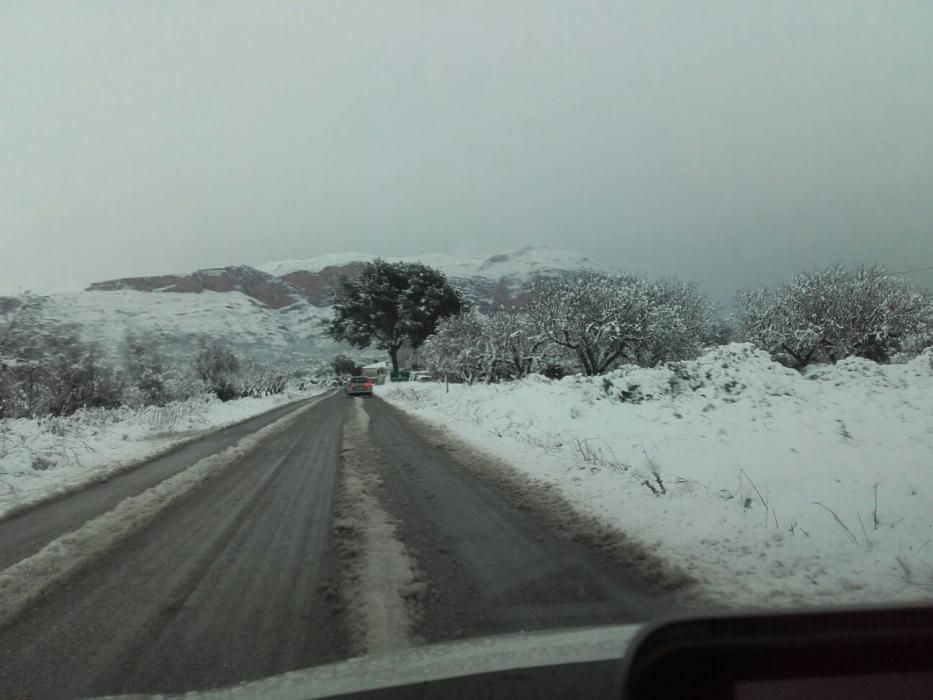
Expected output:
{"points": [[237, 580], [26, 533]]}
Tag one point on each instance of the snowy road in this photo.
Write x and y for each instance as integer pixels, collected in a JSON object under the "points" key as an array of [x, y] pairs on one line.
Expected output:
{"points": [[256, 572], [23, 534]]}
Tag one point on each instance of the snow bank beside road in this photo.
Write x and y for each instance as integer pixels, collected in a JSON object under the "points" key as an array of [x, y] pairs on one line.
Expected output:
{"points": [[758, 480], [42, 458]]}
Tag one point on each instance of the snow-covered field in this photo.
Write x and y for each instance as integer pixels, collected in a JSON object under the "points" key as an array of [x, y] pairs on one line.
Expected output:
{"points": [[42, 458], [760, 481]]}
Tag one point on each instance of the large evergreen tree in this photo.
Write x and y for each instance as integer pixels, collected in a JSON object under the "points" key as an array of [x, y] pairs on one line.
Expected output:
{"points": [[391, 304]]}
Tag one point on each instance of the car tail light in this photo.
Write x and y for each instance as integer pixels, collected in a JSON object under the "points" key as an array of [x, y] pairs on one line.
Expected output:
{"points": [[368, 385]]}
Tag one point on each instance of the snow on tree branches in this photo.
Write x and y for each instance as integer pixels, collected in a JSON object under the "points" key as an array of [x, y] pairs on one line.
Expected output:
{"points": [[835, 313], [590, 322], [457, 348], [472, 346], [605, 320]]}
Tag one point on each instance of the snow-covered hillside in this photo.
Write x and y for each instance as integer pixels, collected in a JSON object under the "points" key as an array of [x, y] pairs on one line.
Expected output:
{"points": [[758, 480], [521, 263], [292, 336], [275, 313]]}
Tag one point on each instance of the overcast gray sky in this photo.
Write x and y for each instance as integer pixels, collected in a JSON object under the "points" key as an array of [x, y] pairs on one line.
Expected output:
{"points": [[730, 142]]}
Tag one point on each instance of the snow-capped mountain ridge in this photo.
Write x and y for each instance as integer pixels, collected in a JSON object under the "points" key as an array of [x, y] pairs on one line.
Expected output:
{"points": [[522, 263], [285, 267]]}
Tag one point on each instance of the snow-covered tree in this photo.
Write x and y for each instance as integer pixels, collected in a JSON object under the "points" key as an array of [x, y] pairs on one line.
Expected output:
{"points": [[457, 347], [677, 322], [392, 304], [799, 322], [514, 346], [477, 347], [831, 314], [885, 311], [605, 320], [582, 315]]}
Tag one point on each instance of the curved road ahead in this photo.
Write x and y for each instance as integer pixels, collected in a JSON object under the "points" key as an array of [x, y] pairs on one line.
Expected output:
{"points": [[242, 578]]}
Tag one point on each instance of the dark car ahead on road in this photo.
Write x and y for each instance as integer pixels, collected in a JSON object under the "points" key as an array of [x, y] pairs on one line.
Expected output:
{"points": [[359, 386]]}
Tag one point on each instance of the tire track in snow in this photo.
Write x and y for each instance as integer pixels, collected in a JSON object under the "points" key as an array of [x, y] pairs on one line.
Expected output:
{"points": [[380, 584], [26, 581]]}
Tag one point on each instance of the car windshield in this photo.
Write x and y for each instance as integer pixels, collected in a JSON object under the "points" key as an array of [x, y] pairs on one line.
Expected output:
{"points": [[330, 329]]}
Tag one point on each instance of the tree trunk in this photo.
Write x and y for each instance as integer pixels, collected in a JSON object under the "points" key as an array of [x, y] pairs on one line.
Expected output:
{"points": [[606, 361], [393, 354], [591, 365]]}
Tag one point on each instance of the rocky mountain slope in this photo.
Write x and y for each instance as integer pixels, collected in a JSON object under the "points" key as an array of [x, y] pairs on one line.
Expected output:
{"points": [[275, 312], [486, 280]]}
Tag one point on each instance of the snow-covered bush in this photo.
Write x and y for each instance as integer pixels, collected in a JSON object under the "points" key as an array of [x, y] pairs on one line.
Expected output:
{"points": [[725, 373], [166, 418], [257, 381], [45, 366], [720, 331], [344, 364], [835, 313], [218, 367], [145, 369], [914, 344], [79, 377]]}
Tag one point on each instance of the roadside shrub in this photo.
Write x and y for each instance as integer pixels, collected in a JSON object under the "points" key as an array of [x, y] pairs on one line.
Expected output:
{"points": [[46, 368], [145, 369], [344, 365], [257, 381], [218, 367]]}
